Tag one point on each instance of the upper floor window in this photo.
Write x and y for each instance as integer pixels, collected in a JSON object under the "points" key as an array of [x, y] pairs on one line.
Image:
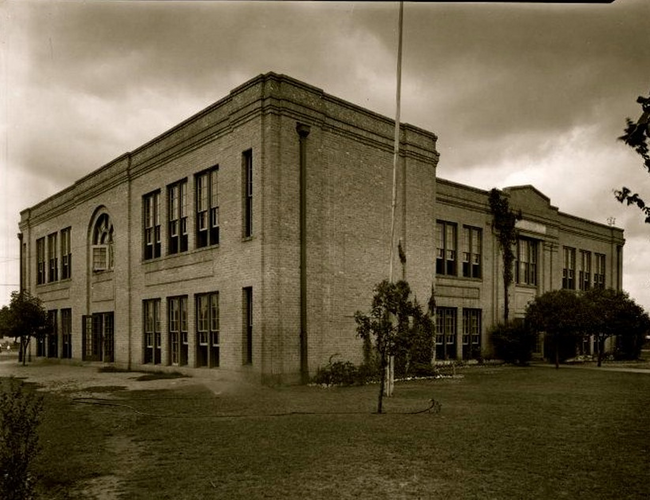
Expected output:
{"points": [[177, 217], [66, 254], [53, 267], [584, 270], [599, 271], [207, 208], [446, 233], [102, 244], [247, 182], [40, 261], [151, 203], [472, 243], [526, 264], [568, 271]]}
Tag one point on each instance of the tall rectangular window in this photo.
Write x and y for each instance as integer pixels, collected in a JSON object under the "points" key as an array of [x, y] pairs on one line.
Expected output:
{"points": [[52, 250], [40, 261], [53, 335], [152, 334], [472, 244], [247, 181], [599, 271], [584, 270], [526, 263], [151, 215], [177, 217], [446, 233], [66, 333], [207, 208], [247, 308], [207, 329], [568, 271], [471, 333], [66, 254], [446, 332], [178, 345]]}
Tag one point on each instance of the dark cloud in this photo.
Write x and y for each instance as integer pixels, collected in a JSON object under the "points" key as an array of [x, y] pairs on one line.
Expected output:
{"points": [[516, 93]]}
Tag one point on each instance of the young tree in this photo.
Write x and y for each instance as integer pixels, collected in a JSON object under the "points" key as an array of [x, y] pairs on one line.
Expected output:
{"points": [[504, 226], [560, 315], [612, 313], [636, 136], [24, 318], [394, 326]]}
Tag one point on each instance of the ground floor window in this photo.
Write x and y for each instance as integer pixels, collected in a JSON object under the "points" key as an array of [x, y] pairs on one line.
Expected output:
{"points": [[446, 332], [471, 333], [247, 309], [178, 348], [98, 341], [207, 330], [66, 333], [52, 335], [152, 332]]}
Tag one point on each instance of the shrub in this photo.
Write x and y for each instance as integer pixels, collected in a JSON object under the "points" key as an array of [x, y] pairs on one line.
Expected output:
{"points": [[345, 373], [513, 342], [20, 412]]}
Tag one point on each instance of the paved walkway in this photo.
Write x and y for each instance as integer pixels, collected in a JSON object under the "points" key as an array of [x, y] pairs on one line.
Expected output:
{"points": [[591, 366]]}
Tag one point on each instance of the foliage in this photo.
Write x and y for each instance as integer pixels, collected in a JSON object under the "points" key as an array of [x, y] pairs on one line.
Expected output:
{"points": [[19, 418], [344, 373], [504, 226], [613, 313], [24, 318], [396, 326], [560, 314], [636, 136], [513, 342]]}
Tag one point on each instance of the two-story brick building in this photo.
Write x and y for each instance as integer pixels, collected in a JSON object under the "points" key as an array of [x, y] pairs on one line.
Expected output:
{"points": [[244, 239]]}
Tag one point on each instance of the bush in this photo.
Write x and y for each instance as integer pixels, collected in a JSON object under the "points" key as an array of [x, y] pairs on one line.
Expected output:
{"points": [[513, 342], [344, 373], [20, 412]]}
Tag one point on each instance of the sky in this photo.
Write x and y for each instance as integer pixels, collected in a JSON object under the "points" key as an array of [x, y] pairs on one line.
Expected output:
{"points": [[516, 93]]}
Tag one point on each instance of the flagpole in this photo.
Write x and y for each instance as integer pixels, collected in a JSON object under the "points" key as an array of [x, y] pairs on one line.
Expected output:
{"points": [[390, 369]]}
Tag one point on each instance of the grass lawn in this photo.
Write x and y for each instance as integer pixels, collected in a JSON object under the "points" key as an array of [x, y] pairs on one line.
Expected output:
{"points": [[502, 433]]}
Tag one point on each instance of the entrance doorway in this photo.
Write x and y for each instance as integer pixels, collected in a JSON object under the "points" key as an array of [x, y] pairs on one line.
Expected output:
{"points": [[99, 337]]}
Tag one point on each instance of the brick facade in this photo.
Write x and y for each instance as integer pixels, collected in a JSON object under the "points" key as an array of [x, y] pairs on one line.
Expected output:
{"points": [[316, 202]]}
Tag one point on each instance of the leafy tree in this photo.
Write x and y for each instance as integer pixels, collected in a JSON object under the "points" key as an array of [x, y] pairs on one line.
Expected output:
{"points": [[612, 313], [504, 226], [636, 136], [560, 314], [395, 326], [24, 318], [513, 342]]}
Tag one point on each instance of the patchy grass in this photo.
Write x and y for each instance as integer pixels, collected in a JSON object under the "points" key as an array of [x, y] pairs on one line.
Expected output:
{"points": [[507, 432]]}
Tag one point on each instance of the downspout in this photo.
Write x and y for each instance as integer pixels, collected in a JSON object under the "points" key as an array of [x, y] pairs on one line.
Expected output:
{"points": [[303, 133], [128, 262], [21, 279]]}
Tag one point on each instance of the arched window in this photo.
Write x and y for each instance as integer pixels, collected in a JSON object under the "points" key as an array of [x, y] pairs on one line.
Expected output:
{"points": [[102, 244]]}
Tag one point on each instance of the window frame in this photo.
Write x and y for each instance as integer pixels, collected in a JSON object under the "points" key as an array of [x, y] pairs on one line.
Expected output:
{"points": [[66, 253], [41, 274], [247, 193], [177, 234], [151, 227], [472, 249], [446, 248], [206, 199], [52, 258], [568, 268], [526, 261]]}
